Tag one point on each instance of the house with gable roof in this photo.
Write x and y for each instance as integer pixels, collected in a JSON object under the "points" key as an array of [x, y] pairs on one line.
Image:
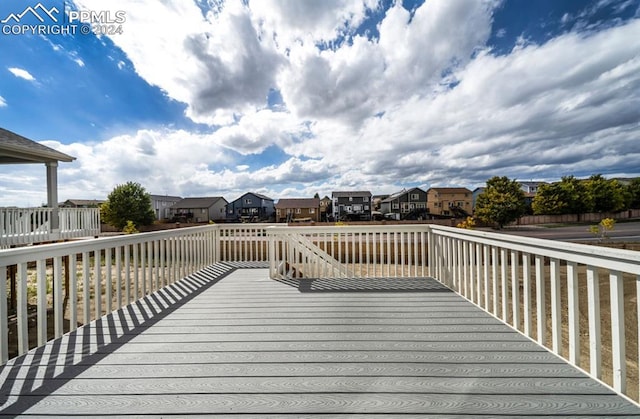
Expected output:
{"points": [[251, 207], [351, 205], [297, 209], [405, 204], [199, 210]]}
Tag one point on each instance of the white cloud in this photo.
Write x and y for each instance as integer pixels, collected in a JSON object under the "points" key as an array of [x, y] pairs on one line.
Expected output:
{"points": [[3, 102], [21, 73], [426, 103]]}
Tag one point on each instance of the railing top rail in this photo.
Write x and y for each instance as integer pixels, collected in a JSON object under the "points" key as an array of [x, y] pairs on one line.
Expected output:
{"points": [[29, 253], [350, 228], [611, 258]]}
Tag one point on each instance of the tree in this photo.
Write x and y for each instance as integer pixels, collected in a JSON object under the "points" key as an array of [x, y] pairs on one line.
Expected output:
{"points": [[549, 200], [634, 193], [501, 202], [128, 202], [606, 195], [569, 196]]}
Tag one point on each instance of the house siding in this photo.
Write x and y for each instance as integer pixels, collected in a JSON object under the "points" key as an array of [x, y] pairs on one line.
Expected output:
{"points": [[448, 201], [251, 207]]}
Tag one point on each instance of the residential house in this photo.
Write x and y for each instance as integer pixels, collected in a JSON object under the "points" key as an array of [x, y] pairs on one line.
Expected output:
{"points": [[455, 202], [351, 205], [376, 202], [162, 204], [199, 210], [325, 208], [81, 203], [475, 194], [251, 207], [297, 209], [408, 204], [530, 190]]}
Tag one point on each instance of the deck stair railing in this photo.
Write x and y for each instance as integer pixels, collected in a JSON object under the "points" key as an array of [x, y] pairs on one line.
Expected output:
{"points": [[348, 251], [299, 257]]}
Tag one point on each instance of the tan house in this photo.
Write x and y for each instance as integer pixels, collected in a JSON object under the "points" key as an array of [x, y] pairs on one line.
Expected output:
{"points": [[298, 209], [456, 202], [325, 208]]}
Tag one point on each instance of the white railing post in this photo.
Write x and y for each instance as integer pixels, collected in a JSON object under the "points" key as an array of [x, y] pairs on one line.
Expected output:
{"points": [[556, 317], [593, 295], [574, 313], [541, 311], [616, 286]]}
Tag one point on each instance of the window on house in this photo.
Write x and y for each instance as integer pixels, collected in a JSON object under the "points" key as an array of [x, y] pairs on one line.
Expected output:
{"points": [[415, 196], [203, 210], [395, 205], [247, 201], [312, 210], [366, 207], [365, 199], [350, 199], [298, 210]]}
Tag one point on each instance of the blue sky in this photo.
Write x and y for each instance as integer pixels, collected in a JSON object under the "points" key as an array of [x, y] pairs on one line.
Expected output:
{"points": [[289, 98]]}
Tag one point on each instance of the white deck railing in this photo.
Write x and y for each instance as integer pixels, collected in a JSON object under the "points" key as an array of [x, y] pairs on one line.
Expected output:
{"points": [[99, 275], [524, 282], [21, 226], [547, 290]]}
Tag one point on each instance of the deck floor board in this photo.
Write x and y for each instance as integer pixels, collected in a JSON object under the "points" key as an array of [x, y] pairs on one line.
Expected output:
{"points": [[239, 344]]}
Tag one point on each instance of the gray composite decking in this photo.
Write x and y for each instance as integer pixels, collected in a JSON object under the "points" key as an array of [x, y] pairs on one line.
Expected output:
{"points": [[232, 342]]}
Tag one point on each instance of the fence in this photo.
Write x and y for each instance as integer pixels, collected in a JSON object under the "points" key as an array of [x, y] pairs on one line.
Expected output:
{"points": [[20, 226]]}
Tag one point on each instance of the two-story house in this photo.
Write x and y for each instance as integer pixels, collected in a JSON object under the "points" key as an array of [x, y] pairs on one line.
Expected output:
{"points": [[530, 190], [297, 209], [251, 207], [325, 208], [454, 202], [199, 210], [351, 205], [408, 204], [162, 204]]}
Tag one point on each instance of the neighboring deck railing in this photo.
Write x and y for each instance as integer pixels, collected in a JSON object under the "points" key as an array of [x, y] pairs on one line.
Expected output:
{"points": [[22, 226], [531, 284]]}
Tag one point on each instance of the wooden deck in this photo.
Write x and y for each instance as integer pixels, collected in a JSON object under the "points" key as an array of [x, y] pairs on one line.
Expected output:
{"points": [[232, 342]]}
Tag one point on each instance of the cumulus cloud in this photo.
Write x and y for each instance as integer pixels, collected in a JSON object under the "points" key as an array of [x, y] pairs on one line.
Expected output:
{"points": [[3, 102], [423, 102], [21, 73]]}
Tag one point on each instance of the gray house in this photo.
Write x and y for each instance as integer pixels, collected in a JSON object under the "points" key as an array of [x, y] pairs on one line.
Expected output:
{"points": [[351, 205], [408, 204], [199, 210], [162, 204], [251, 207]]}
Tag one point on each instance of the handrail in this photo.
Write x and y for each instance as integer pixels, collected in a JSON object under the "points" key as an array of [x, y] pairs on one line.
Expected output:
{"points": [[530, 284], [506, 275], [22, 226], [113, 271], [491, 270]]}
